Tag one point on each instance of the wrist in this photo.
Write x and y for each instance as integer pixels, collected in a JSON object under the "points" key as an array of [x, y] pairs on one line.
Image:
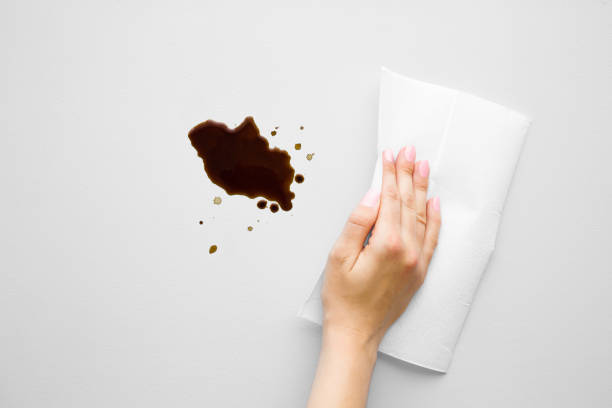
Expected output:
{"points": [[350, 342]]}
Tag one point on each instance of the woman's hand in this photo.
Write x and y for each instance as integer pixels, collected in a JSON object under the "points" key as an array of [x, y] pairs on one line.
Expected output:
{"points": [[367, 288]]}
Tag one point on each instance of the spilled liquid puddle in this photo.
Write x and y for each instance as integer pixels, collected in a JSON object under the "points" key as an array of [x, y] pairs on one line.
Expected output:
{"points": [[241, 162]]}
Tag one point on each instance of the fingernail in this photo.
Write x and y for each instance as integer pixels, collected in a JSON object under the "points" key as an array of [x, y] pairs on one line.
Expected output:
{"points": [[424, 168], [370, 199], [410, 153], [436, 203], [388, 155]]}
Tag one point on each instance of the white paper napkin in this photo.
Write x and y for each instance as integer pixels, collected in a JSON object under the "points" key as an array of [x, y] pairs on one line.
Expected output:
{"points": [[473, 146]]}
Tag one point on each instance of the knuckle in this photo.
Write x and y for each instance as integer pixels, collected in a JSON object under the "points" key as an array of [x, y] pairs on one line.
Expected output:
{"points": [[420, 277], [388, 166], [359, 220], [393, 245], [407, 168], [410, 260], [337, 255], [434, 241], [421, 184], [408, 203], [390, 192]]}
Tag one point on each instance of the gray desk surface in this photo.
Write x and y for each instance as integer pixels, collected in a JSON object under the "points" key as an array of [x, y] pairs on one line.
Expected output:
{"points": [[108, 296]]}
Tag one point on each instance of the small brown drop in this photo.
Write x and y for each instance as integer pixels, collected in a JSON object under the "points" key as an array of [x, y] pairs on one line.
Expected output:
{"points": [[299, 178], [301, 127], [250, 228], [201, 222], [273, 133], [212, 249], [298, 146], [275, 127], [309, 156], [274, 207], [217, 200], [262, 204]]}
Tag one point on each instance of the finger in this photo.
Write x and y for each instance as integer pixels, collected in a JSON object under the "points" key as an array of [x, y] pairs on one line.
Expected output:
{"points": [[421, 180], [389, 217], [432, 231], [357, 227], [405, 171]]}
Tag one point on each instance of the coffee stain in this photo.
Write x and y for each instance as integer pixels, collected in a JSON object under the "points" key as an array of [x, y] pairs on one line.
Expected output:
{"points": [[274, 207], [250, 228], [299, 178], [298, 146], [241, 161], [309, 156], [217, 200], [212, 249], [261, 204]]}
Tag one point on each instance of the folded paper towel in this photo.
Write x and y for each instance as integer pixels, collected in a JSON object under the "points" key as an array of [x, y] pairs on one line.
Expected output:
{"points": [[473, 146]]}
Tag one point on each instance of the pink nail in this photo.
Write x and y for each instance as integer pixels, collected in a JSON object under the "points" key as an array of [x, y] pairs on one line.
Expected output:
{"points": [[370, 199], [436, 203], [424, 168], [388, 155], [410, 153]]}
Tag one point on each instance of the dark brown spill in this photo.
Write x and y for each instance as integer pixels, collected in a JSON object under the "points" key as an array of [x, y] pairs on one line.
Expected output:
{"points": [[262, 204], [299, 178], [298, 146], [201, 222], [273, 133], [241, 161], [274, 207], [301, 127], [212, 249]]}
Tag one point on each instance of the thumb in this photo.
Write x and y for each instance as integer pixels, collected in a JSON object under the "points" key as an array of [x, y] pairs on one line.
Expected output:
{"points": [[357, 227]]}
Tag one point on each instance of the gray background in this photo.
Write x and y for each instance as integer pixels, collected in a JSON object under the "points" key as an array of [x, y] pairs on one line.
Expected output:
{"points": [[108, 296]]}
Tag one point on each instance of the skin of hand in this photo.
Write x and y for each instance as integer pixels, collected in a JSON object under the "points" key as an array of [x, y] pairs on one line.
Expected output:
{"points": [[367, 288]]}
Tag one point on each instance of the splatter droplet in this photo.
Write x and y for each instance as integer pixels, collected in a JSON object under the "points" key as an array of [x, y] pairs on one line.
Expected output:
{"points": [[273, 133], [217, 200], [212, 249], [299, 178], [298, 146], [275, 127], [201, 222], [274, 207], [301, 127], [250, 228], [309, 156], [261, 204]]}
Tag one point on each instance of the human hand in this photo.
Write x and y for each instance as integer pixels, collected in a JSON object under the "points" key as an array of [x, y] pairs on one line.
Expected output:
{"points": [[367, 288]]}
